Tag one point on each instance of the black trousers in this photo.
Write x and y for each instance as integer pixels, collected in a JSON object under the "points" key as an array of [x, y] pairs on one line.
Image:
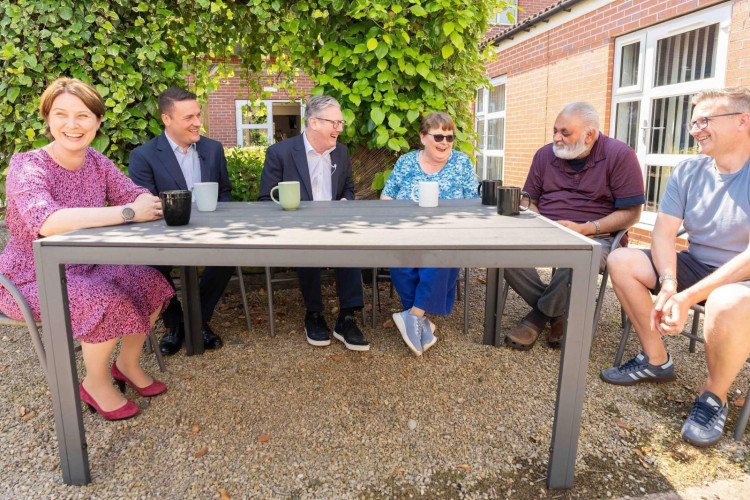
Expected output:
{"points": [[212, 284], [348, 287]]}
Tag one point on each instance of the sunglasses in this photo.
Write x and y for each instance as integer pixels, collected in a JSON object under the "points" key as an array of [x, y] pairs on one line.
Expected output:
{"points": [[440, 137]]}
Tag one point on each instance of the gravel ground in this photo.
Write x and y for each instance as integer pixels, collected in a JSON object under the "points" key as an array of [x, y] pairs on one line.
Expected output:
{"points": [[277, 418]]}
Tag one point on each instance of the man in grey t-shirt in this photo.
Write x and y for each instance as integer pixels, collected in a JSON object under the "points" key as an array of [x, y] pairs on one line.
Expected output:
{"points": [[710, 196]]}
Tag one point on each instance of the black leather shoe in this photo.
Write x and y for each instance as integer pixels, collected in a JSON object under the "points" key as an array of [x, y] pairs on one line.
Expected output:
{"points": [[316, 329], [171, 342], [210, 339], [349, 333]]}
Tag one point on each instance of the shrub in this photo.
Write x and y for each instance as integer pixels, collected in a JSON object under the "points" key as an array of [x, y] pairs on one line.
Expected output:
{"points": [[244, 166]]}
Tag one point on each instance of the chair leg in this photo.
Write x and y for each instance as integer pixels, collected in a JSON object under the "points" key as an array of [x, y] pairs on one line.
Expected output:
{"points": [[154, 346], [626, 325], [269, 294], [739, 429], [248, 321], [375, 295], [458, 290], [694, 330], [600, 301], [466, 301]]}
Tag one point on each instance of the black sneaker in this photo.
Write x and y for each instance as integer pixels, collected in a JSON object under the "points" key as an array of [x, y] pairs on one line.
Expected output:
{"points": [[316, 329], [349, 333]]}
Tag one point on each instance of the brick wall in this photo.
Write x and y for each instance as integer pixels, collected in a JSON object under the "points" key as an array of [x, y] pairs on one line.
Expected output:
{"points": [[738, 62], [532, 7], [221, 107]]}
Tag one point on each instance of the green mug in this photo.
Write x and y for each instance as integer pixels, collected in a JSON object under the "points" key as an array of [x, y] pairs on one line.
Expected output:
{"points": [[288, 195]]}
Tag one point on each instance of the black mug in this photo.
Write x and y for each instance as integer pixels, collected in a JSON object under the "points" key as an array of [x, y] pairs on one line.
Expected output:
{"points": [[488, 190], [509, 200], [176, 205]]}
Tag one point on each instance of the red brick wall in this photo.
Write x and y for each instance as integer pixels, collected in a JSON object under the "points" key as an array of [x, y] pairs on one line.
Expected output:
{"points": [[738, 62], [532, 7], [221, 108]]}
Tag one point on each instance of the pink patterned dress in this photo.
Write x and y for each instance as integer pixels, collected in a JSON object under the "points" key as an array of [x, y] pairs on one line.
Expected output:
{"points": [[106, 301]]}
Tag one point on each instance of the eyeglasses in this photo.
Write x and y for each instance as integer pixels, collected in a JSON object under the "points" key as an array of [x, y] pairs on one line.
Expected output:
{"points": [[702, 121], [335, 123], [440, 137]]}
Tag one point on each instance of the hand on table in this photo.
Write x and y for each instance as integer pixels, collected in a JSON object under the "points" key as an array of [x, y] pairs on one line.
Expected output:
{"points": [[147, 208]]}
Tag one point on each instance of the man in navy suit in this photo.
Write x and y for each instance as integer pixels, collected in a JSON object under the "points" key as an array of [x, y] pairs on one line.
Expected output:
{"points": [[321, 165], [177, 159]]}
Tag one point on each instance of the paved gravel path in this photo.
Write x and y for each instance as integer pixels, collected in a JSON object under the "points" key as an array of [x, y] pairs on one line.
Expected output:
{"points": [[277, 418]]}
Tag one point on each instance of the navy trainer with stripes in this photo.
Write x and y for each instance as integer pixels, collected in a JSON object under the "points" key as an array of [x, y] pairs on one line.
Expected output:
{"points": [[639, 370], [705, 424]]}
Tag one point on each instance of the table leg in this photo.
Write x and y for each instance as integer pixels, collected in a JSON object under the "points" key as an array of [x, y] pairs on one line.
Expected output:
{"points": [[574, 363], [490, 303], [61, 376], [500, 308], [191, 310]]}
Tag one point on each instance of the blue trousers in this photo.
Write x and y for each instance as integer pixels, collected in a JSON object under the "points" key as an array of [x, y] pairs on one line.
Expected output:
{"points": [[430, 289]]}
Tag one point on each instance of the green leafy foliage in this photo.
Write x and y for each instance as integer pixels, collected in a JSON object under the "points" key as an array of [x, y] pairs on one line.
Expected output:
{"points": [[244, 166], [129, 51], [379, 180]]}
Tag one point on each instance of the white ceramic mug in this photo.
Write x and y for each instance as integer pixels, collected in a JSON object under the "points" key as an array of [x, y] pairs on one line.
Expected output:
{"points": [[206, 195], [427, 194]]}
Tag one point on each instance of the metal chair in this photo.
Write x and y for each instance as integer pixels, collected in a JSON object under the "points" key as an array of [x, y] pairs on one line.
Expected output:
{"points": [[697, 309], [376, 294], [602, 288]]}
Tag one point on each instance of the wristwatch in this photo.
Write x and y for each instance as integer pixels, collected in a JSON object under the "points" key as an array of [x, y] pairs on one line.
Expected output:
{"points": [[127, 213], [597, 226], [665, 277]]}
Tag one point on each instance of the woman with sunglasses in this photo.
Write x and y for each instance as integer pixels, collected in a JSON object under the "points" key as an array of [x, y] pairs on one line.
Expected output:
{"points": [[428, 290]]}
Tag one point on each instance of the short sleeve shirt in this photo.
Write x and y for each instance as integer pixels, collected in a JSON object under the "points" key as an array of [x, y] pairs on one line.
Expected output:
{"points": [[456, 179], [610, 180], [715, 208]]}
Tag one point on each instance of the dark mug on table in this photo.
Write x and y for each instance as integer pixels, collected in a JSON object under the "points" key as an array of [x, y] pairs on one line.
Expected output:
{"points": [[509, 200], [488, 190], [176, 205]]}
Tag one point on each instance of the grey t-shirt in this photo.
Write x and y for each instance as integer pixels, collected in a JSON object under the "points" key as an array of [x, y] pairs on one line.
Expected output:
{"points": [[715, 208]]}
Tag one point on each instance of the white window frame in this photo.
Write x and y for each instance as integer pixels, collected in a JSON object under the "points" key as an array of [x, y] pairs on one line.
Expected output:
{"points": [[484, 116], [501, 19], [241, 127], [645, 91]]}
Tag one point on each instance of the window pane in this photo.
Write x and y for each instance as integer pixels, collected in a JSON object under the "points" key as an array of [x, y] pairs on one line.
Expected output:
{"points": [[656, 183], [496, 133], [687, 57], [494, 167], [629, 64], [479, 167], [480, 133], [480, 101], [669, 136], [255, 137], [626, 123], [497, 99], [255, 115]]}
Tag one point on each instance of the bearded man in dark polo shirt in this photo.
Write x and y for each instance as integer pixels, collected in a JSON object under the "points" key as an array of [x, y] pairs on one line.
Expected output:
{"points": [[589, 183]]}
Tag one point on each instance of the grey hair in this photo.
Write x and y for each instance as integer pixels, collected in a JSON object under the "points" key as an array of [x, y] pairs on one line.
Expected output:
{"points": [[586, 113], [318, 103], [738, 98]]}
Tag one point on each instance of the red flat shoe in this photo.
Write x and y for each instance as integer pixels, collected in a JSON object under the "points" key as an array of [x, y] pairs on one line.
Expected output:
{"points": [[154, 389], [128, 410]]}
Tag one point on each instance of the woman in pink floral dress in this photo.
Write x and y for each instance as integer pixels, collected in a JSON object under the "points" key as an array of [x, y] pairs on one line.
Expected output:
{"points": [[64, 186]]}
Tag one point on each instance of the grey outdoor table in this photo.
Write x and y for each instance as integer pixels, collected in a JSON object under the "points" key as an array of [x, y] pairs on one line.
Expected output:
{"points": [[458, 233]]}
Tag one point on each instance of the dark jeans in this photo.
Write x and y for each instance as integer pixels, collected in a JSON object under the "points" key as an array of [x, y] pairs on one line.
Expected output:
{"points": [[212, 284], [348, 287]]}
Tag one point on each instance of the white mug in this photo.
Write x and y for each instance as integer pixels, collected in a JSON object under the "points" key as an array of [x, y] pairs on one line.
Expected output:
{"points": [[427, 195], [206, 195]]}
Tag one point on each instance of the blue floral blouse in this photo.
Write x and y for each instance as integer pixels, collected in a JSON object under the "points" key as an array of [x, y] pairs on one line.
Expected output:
{"points": [[456, 179]]}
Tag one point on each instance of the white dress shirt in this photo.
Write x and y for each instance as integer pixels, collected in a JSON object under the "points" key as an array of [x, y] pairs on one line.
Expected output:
{"points": [[189, 162], [320, 171]]}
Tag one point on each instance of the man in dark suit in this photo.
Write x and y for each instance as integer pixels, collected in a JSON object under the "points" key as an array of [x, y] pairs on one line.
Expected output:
{"points": [[177, 159], [321, 165]]}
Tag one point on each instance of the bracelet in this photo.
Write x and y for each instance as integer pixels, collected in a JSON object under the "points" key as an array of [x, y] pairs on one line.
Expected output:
{"points": [[665, 277], [597, 226]]}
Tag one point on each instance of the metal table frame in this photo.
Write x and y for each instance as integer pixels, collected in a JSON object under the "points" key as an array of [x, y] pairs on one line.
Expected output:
{"points": [[336, 234]]}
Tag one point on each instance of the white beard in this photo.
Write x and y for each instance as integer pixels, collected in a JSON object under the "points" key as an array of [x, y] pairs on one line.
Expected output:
{"points": [[570, 152]]}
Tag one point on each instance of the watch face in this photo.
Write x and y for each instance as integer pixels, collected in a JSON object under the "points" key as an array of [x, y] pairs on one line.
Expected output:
{"points": [[128, 214]]}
